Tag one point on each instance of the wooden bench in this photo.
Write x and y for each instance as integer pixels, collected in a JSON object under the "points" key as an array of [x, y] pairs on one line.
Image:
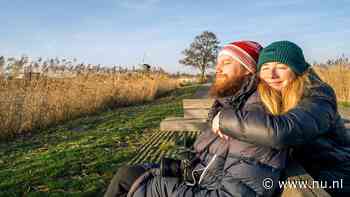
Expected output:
{"points": [[195, 116]]}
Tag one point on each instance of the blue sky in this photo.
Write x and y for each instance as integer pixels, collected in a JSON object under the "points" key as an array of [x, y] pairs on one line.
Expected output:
{"points": [[123, 32]]}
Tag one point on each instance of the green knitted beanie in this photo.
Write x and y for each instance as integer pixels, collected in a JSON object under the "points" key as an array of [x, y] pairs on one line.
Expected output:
{"points": [[285, 52]]}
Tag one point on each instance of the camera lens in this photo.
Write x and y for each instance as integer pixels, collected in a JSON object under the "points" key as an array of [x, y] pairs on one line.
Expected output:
{"points": [[170, 167]]}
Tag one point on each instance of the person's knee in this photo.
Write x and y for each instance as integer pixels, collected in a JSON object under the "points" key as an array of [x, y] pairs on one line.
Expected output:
{"points": [[126, 175], [123, 179]]}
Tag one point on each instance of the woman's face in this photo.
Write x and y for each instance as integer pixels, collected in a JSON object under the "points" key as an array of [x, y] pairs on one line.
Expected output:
{"points": [[276, 75]]}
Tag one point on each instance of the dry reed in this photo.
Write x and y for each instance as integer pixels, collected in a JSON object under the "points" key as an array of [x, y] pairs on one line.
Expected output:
{"points": [[338, 76], [29, 104]]}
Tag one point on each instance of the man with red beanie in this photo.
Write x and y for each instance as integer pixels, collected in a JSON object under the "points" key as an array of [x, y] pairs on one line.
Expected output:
{"points": [[236, 65], [235, 62]]}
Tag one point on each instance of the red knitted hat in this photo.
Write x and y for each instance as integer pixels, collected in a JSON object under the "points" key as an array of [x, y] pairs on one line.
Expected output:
{"points": [[245, 52]]}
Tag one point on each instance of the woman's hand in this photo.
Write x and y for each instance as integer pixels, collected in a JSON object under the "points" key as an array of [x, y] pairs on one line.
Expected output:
{"points": [[216, 127]]}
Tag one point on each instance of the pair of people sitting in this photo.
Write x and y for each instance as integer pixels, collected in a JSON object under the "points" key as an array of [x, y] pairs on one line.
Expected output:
{"points": [[270, 107]]}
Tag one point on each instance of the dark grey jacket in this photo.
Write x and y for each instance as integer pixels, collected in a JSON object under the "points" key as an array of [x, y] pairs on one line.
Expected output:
{"points": [[237, 168], [313, 129]]}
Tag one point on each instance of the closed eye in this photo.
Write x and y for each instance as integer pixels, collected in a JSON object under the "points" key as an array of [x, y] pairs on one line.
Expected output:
{"points": [[227, 62], [282, 67], [265, 68]]}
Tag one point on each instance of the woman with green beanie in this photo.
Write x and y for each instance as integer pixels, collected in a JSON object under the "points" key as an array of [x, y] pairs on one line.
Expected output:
{"points": [[293, 108]]}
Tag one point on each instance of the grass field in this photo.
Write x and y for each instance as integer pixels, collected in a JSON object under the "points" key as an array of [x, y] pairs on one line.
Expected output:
{"points": [[80, 157]]}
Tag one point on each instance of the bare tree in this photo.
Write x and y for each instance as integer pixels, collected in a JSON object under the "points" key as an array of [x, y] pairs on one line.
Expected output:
{"points": [[202, 52]]}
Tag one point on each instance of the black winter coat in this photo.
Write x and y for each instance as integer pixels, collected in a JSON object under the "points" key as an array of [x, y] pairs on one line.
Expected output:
{"points": [[314, 129]]}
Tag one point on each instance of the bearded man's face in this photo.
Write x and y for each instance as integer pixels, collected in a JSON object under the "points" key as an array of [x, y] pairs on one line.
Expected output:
{"points": [[229, 77]]}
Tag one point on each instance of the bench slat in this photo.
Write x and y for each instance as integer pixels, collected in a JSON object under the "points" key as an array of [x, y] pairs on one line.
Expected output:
{"points": [[196, 113], [182, 124], [197, 103]]}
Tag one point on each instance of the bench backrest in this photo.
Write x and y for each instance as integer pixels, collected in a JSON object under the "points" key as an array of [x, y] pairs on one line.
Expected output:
{"points": [[196, 108]]}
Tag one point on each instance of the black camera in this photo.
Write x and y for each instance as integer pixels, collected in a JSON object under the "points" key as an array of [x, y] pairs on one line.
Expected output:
{"points": [[170, 167], [178, 168]]}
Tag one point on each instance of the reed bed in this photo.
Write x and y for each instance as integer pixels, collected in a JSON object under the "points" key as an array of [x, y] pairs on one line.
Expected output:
{"points": [[40, 102], [338, 76]]}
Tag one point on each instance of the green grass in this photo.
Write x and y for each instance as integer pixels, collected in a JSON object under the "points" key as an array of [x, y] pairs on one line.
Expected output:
{"points": [[79, 158]]}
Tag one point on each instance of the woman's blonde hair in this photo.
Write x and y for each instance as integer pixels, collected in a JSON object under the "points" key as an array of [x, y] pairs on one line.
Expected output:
{"points": [[281, 102]]}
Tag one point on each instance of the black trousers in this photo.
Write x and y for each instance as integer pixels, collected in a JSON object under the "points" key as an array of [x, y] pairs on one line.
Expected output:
{"points": [[123, 180]]}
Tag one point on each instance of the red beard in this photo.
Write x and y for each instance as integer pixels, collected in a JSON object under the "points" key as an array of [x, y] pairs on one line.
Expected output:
{"points": [[224, 86]]}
